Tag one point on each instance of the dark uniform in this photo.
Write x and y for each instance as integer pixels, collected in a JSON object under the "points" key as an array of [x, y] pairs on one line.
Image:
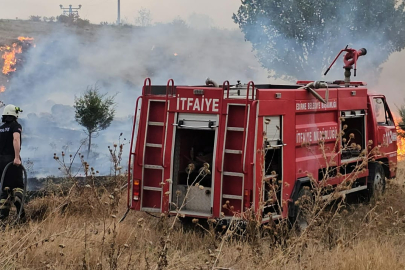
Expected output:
{"points": [[12, 189]]}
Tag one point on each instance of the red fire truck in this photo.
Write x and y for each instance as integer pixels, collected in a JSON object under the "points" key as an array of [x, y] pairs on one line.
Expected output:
{"points": [[247, 134]]}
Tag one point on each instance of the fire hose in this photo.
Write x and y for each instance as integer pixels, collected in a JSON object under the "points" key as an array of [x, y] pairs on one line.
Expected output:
{"points": [[310, 87], [24, 190]]}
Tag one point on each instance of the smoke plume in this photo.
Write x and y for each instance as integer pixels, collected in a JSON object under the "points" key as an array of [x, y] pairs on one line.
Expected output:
{"points": [[117, 59]]}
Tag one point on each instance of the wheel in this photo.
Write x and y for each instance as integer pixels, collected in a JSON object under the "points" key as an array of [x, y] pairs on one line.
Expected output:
{"points": [[376, 180]]}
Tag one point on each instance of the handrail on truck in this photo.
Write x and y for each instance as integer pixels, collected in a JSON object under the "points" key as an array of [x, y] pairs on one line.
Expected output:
{"points": [[245, 122], [147, 84], [131, 150], [225, 87], [226, 84], [169, 87]]}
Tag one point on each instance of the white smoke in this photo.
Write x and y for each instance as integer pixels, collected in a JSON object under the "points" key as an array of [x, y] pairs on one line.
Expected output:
{"points": [[67, 60], [118, 59], [391, 82]]}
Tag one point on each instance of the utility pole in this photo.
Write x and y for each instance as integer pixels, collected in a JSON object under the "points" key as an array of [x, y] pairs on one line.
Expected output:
{"points": [[70, 11], [119, 13]]}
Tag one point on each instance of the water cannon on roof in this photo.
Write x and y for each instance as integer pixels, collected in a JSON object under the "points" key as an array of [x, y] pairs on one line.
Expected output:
{"points": [[349, 60]]}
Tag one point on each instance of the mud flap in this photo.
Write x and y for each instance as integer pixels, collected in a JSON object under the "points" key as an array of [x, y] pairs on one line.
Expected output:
{"points": [[292, 209]]}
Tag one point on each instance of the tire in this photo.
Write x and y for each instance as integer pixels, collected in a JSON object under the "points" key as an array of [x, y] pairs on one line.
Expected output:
{"points": [[376, 180]]}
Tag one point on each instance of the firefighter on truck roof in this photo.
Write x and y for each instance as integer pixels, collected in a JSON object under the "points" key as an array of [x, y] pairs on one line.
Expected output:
{"points": [[10, 145]]}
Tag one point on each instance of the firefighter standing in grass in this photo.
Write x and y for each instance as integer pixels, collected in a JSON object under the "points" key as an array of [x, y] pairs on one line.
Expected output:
{"points": [[10, 145]]}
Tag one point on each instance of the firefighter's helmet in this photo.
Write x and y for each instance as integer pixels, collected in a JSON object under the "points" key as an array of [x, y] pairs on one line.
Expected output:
{"points": [[11, 110]]}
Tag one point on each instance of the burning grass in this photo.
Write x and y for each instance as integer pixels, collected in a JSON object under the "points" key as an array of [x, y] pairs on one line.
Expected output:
{"points": [[10, 53], [81, 230], [10, 56], [400, 138]]}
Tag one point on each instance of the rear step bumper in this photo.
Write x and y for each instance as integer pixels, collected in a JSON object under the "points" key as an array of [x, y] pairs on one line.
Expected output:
{"points": [[221, 221]]}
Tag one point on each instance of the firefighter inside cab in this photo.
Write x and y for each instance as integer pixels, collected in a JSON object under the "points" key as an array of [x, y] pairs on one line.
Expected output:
{"points": [[10, 145]]}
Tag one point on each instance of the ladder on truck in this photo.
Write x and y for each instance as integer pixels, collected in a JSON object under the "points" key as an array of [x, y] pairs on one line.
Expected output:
{"points": [[150, 189], [234, 169]]}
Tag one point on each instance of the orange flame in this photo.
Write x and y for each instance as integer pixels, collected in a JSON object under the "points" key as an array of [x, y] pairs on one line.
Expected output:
{"points": [[9, 58], [2, 88], [401, 148], [25, 39], [400, 141]]}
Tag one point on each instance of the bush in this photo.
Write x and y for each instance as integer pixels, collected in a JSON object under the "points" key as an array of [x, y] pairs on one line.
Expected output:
{"points": [[82, 23], [35, 18], [65, 19], [73, 20]]}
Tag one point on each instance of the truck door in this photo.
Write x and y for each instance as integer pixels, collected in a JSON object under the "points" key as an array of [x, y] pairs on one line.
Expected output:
{"points": [[385, 131]]}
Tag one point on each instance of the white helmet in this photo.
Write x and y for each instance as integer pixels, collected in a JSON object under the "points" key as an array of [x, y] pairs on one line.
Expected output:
{"points": [[12, 110]]}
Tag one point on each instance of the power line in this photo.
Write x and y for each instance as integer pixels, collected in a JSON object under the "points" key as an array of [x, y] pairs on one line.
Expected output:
{"points": [[70, 10]]}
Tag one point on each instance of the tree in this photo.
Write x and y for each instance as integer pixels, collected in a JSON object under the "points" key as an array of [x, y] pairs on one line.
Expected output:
{"points": [[144, 18], [94, 111], [299, 38]]}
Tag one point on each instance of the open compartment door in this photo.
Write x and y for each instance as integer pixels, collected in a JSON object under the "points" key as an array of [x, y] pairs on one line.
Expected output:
{"points": [[194, 149]]}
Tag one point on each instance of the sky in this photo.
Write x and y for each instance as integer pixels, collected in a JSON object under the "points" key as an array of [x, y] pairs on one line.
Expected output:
{"points": [[220, 11]]}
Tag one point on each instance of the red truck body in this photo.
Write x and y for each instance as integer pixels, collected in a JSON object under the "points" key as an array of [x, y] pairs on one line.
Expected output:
{"points": [[249, 134]]}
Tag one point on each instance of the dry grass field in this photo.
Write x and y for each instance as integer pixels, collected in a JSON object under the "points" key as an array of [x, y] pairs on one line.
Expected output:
{"points": [[81, 230], [11, 29]]}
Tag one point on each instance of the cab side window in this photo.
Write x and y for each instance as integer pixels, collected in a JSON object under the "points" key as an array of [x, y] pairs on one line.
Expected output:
{"points": [[382, 113]]}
